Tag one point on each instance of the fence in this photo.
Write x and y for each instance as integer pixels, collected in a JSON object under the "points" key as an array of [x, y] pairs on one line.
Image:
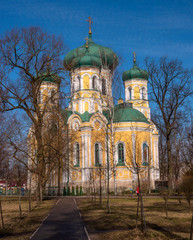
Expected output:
{"points": [[13, 191]]}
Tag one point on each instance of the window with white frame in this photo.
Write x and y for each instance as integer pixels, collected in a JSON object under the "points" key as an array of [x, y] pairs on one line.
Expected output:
{"points": [[78, 83], [94, 83], [143, 93], [76, 155], [145, 154], [120, 154], [129, 93], [98, 154], [103, 86]]}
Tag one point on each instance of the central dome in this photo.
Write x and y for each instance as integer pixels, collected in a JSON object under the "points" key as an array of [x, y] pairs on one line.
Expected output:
{"points": [[91, 55]]}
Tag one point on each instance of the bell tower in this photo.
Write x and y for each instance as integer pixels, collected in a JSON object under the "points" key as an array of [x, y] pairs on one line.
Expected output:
{"points": [[49, 90], [136, 92]]}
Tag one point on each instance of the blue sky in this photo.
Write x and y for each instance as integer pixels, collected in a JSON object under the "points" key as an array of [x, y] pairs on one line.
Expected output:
{"points": [[150, 27]]}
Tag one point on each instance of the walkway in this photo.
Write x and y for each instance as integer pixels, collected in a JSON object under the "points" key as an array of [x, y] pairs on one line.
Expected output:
{"points": [[63, 223]]}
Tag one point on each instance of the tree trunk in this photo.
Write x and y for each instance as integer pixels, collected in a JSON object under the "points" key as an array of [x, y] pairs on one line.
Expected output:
{"points": [[149, 177], [115, 181], [20, 211], [143, 223], [166, 207], [108, 175], [100, 190], [137, 212], [59, 183], [191, 228], [169, 156], [29, 195], [1, 210]]}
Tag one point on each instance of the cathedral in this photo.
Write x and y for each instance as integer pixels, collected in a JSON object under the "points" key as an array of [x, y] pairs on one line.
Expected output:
{"points": [[107, 140]]}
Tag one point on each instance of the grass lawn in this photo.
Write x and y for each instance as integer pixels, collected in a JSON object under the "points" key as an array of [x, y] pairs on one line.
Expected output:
{"points": [[120, 223], [20, 229]]}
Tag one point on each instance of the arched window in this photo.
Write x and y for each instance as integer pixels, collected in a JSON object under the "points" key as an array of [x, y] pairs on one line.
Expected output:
{"points": [[73, 87], [53, 129], [103, 86], [145, 154], [120, 154], [45, 96], [143, 93], [96, 151], [77, 155], [53, 93], [78, 82], [129, 90], [94, 82]]}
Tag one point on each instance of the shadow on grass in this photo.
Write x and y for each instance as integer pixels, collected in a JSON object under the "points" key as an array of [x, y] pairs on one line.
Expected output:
{"points": [[162, 230]]}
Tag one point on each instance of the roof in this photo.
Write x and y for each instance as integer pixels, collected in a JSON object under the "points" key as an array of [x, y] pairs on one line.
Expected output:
{"points": [[91, 55], [125, 113], [135, 72], [50, 77], [85, 117]]}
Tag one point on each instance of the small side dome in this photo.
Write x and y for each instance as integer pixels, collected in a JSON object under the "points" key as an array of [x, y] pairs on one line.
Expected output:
{"points": [[50, 77], [135, 72], [91, 55]]}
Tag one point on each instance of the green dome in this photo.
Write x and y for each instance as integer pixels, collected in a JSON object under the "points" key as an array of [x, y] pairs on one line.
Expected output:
{"points": [[125, 113], [92, 55], [50, 77], [135, 72]]}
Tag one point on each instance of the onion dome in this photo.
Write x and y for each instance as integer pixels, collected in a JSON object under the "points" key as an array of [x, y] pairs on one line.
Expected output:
{"points": [[50, 77], [135, 72], [91, 55]]}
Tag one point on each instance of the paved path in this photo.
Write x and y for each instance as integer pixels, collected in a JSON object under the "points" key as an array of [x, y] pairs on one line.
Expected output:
{"points": [[63, 223]]}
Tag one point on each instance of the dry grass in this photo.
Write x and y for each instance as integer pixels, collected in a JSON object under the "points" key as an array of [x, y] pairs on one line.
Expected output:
{"points": [[120, 223], [21, 229]]}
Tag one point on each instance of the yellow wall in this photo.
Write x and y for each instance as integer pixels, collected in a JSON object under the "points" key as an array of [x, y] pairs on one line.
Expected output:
{"points": [[96, 107], [77, 107], [86, 82], [136, 93], [86, 106]]}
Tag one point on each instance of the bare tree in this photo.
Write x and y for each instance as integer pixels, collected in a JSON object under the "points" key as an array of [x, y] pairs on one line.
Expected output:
{"points": [[187, 148], [134, 164], [19, 176], [170, 89], [187, 186], [23, 61]]}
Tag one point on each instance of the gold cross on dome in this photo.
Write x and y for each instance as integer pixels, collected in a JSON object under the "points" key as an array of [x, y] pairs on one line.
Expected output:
{"points": [[134, 55], [90, 22], [86, 42]]}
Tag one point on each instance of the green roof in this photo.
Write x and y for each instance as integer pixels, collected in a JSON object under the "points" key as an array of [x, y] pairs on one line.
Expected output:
{"points": [[66, 114], [135, 72], [122, 113], [125, 113], [85, 117], [50, 77], [92, 55]]}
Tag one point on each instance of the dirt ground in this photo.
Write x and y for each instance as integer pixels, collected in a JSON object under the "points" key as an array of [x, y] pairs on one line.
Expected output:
{"points": [[121, 222]]}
